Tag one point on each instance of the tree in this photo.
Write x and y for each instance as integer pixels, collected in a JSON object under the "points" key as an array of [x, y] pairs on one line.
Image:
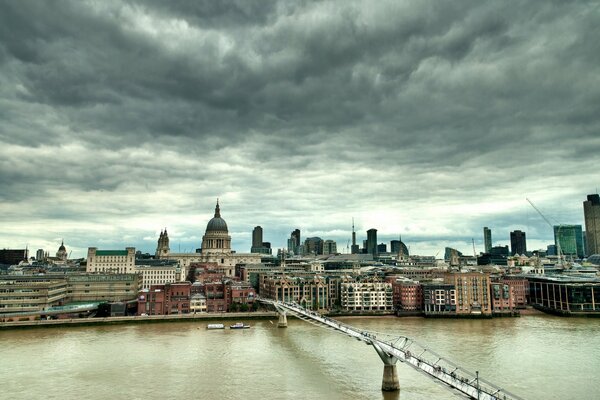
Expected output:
{"points": [[243, 307], [191, 275], [233, 307]]}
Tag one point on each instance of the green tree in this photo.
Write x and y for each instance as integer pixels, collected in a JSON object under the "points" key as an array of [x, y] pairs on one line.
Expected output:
{"points": [[243, 307]]}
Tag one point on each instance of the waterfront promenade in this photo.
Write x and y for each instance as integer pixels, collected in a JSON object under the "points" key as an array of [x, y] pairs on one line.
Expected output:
{"points": [[139, 319]]}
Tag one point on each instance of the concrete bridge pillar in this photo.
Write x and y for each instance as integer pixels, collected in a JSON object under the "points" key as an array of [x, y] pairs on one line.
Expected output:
{"points": [[390, 382], [282, 323]]}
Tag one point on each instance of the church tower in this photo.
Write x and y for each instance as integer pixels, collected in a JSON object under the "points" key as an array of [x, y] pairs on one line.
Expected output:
{"points": [[162, 249]]}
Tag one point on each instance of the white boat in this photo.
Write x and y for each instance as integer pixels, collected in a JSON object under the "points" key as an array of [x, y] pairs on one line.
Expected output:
{"points": [[239, 325], [215, 326]]}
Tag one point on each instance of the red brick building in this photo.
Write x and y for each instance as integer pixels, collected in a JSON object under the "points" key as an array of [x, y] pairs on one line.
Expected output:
{"points": [[519, 290], [170, 298]]}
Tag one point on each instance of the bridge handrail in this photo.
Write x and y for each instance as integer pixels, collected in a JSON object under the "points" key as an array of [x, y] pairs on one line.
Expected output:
{"points": [[459, 378]]}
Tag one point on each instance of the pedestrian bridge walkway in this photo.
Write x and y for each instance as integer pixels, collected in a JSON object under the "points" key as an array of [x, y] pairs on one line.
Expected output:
{"points": [[392, 348]]}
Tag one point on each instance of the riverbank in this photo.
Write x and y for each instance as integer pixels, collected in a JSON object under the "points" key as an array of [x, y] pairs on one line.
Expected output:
{"points": [[139, 319]]}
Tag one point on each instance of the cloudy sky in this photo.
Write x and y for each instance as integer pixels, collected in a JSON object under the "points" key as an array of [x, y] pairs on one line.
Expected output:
{"points": [[423, 119]]}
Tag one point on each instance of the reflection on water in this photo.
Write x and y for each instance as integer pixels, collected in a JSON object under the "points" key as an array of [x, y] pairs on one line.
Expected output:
{"points": [[535, 356]]}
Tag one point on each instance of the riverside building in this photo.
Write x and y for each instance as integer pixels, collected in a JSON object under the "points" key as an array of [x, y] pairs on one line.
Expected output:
{"points": [[366, 296]]}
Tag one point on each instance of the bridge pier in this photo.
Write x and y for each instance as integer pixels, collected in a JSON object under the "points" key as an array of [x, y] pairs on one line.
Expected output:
{"points": [[282, 323], [390, 382]]}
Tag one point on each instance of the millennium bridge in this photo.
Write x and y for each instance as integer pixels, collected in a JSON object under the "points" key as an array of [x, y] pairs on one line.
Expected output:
{"points": [[393, 348]]}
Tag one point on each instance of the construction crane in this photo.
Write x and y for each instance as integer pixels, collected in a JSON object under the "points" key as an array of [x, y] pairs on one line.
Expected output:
{"points": [[557, 240]]}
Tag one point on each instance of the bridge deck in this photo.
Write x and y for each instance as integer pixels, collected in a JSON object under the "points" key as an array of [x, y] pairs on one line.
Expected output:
{"points": [[409, 352]]}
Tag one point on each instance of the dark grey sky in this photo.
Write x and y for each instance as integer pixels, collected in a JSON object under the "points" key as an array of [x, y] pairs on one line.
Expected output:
{"points": [[423, 119]]}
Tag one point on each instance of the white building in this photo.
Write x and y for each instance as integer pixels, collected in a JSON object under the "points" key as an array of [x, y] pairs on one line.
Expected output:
{"points": [[198, 303], [111, 261], [367, 296], [158, 272]]}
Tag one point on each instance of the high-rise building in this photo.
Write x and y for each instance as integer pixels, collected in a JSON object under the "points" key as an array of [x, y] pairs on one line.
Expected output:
{"points": [[329, 247], [313, 245], [591, 214], [40, 255], [487, 239], [293, 242], [372, 242], [381, 248], [397, 246], [257, 236], [569, 238], [518, 243]]}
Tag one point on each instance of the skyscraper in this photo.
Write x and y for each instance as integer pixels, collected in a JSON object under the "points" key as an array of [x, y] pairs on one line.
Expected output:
{"points": [[570, 239], [257, 236], [591, 214], [518, 243], [372, 242], [294, 242], [329, 247], [487, 239]]}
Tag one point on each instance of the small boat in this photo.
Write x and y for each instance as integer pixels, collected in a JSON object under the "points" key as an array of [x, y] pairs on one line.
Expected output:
{"points": [[215, 326], [239, 325]]}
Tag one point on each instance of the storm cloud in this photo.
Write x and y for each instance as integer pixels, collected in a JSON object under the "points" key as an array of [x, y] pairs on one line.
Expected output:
{"points": [[418, 118]]}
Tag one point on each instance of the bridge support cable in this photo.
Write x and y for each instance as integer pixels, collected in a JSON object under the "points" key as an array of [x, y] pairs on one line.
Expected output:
{"points": [[418, 357]]}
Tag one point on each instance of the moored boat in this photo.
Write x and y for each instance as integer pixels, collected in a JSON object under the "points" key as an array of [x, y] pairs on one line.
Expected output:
{"points": [[215, 326], [239, 325]]}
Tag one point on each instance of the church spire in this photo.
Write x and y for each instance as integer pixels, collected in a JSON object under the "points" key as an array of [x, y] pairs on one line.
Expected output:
{"points": [[217, 210]]}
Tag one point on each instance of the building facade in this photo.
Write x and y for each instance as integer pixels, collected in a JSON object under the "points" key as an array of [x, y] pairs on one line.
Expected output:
{"points": [[102, 287], [472, 292], [518, 243], [372, 243], [591, 213], [487, 239], [158, 272], [565, 295], [439, 299], [367, 296], [168, 299], [569, 238], [21, 294], [111, 261]]}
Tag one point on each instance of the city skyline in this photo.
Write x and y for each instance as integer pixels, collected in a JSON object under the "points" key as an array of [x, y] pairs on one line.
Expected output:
{"points": [[424, 120]]}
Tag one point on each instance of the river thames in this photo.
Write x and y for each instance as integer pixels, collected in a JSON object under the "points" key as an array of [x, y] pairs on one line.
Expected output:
{"points": [[535, 356]]}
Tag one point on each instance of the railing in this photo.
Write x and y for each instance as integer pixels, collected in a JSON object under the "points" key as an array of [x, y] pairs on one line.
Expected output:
{"points": [[411, 353]]}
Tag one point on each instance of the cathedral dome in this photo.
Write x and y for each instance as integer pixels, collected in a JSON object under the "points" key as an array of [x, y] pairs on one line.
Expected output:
{"points": [[217, 224]]}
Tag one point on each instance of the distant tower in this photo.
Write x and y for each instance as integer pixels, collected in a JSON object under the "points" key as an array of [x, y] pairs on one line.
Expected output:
{"points": [[354, 249], [372, 242], [162, 248], [518, 243], [591, 213], [294, 242], [257, 236], [487, 239], [569, 238], [62, 252]]}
